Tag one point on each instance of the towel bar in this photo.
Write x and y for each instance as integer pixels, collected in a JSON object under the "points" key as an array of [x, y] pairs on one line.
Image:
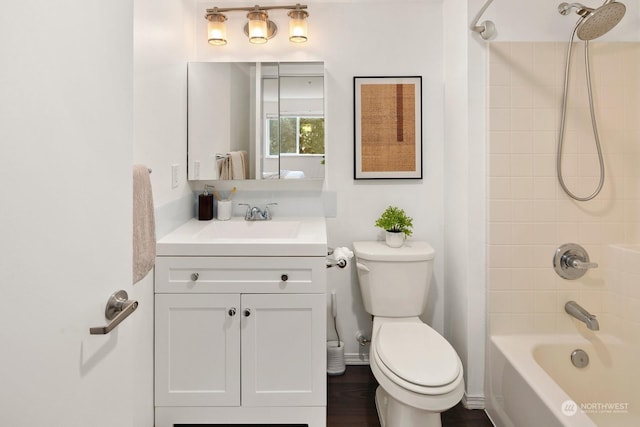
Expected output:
{"points": [[119, 307]]}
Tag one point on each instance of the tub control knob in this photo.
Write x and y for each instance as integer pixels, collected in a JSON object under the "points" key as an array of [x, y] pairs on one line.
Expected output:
{"points": [[284, 277], [571, 261]]}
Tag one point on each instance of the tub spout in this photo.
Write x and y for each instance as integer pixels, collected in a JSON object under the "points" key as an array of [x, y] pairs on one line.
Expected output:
{"points": [[574, 309]]}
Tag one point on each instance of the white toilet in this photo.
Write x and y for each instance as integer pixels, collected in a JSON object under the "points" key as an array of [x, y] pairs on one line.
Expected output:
{"points": [[419, 373]]}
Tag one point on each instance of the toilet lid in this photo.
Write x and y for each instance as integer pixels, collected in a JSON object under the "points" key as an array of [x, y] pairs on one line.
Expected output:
{"points": [[417, 354]]}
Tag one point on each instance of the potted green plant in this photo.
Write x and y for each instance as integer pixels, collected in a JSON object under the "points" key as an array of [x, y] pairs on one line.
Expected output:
{"points": [[397, 226]]}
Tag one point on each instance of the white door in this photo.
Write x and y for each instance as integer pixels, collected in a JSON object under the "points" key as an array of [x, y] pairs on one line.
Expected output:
{"points": [[65, 220], [283, 350]]}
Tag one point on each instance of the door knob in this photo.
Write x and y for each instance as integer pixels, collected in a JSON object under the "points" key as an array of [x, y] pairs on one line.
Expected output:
{"points": [[232, 311], [284, 277], [119, 307], [247, 312]]}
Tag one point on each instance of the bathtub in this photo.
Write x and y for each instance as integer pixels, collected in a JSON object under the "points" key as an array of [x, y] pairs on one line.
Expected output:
{"points": [[532, 382]]}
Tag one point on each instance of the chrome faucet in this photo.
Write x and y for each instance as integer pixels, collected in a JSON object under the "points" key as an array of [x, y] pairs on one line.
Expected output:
{"points": [[256, 214], [574, 309]]}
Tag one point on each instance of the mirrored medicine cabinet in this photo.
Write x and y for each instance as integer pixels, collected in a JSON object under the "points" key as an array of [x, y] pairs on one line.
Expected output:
{"points": [[256, 120]]}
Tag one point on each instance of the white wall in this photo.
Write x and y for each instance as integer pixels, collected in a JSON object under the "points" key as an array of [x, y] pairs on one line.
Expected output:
{"points": [[162, 44], [345, 36], [464, 188]]}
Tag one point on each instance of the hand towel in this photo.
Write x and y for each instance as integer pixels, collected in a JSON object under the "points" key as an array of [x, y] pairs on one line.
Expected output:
{"points": [[144, 225], [233, 166], [239, 165], [224, 168]]}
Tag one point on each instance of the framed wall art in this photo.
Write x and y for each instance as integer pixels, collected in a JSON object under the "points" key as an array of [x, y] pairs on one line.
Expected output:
{"points": [[388, 127]]}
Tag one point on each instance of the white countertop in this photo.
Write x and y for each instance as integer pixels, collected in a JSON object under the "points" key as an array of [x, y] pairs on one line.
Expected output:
{"points": [[281, 236]]}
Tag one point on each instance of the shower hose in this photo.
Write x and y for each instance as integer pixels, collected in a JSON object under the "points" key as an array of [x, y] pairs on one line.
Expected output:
{"points": [[593, 122]]}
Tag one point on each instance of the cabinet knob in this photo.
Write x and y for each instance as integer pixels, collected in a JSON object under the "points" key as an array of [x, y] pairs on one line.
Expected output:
{"points": [[247, 312], [195, 276], [284, 277], [232, 311]]}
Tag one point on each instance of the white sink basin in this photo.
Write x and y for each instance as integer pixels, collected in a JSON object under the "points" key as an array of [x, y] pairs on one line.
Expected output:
{"points": [[284, 236], [240, 229]]}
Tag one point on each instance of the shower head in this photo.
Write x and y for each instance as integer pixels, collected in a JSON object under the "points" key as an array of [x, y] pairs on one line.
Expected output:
{"points": [[595, 22], [601, 20]]}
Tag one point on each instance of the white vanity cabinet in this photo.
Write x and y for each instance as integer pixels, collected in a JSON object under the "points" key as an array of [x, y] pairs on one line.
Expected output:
{"points": [[240, 340]]}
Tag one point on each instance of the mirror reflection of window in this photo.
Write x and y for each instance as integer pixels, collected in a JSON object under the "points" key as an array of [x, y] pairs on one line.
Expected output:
{"points": [[298, 135], [301, 121], [311, 135]]}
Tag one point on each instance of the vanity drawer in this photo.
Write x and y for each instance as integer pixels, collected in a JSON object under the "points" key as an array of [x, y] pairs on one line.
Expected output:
{"points": [[240, 275]]}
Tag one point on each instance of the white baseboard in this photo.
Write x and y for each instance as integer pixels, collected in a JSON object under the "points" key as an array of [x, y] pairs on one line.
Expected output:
{"points": [[473, 402], [356, 359]]}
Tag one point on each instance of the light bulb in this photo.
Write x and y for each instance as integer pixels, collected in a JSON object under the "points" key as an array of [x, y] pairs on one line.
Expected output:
{"points": [[258, 27], [216, 29], [298, 26]]}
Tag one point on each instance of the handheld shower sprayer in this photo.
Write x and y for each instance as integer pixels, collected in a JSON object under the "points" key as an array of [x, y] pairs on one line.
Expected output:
{"points": [[595, 22], [592, 24]]}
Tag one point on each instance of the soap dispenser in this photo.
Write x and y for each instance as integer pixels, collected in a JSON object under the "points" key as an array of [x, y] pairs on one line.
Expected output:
{"points": [[205, 204]]}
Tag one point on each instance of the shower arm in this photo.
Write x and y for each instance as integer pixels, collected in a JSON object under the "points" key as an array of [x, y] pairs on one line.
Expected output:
{"points": [[582, 10], [487, 28]]}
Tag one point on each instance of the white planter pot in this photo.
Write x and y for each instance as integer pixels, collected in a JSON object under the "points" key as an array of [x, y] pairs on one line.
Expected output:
{"points": [[394, 239]]}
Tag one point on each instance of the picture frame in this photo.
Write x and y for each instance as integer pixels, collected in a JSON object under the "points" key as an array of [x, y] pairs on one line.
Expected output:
{"points": [[387, 127]]}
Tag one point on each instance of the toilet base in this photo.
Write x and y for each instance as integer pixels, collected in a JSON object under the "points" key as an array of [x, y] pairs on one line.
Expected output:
{"points": [[392, 413]]}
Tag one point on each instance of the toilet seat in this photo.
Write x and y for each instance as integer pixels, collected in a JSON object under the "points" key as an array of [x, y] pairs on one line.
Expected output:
{"points": [[416, 357]]}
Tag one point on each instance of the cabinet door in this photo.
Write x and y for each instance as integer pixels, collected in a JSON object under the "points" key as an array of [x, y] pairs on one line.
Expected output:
{"points": [[283, 349], [197, 350]]}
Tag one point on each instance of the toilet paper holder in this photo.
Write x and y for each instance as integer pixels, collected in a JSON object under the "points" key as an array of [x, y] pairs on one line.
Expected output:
{"points": [[340, 259]]}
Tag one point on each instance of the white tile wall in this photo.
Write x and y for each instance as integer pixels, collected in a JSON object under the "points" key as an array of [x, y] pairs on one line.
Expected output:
{"points": [[529, 214], [623, 300]]}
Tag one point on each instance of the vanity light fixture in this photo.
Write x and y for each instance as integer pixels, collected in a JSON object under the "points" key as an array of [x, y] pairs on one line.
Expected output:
{"points": [[216, 29], [298, 25], [259, 27]]}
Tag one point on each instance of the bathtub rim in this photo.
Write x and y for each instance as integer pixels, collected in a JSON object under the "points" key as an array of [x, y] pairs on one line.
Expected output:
{"points": [[518, 351]]}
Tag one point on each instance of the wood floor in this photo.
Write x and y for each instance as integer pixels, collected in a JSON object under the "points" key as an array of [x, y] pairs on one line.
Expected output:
{"points": [[351, 403]]}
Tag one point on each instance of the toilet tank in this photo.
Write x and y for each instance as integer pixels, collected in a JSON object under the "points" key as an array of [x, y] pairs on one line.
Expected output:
{"points": [[394, 282]]}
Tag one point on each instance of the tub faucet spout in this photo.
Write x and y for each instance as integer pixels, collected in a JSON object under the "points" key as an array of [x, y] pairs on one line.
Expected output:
{"points": [[574, 309]]}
